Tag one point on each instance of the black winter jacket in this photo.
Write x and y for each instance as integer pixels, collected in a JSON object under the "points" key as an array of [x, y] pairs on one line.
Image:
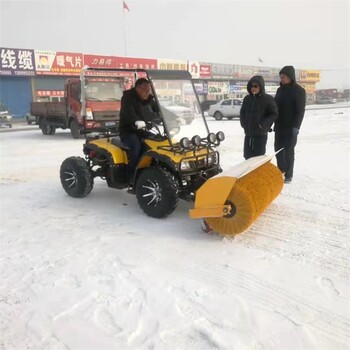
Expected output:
{"points": [[290, 101], [134, 109], [258, 112]]}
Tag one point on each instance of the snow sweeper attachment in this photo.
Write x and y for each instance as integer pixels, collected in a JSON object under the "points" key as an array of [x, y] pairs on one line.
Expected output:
{"points": [[231, 201]]}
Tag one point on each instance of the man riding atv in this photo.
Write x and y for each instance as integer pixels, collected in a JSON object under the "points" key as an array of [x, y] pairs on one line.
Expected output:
{"points": [[137, 107]]}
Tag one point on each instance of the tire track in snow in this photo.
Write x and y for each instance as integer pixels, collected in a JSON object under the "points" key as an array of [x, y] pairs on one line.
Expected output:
{"points": [[314, 197], [259, 292], [317, 241]]}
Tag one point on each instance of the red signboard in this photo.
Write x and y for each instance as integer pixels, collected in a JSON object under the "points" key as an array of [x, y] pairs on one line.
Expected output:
{"points": [[97, 61], [136, 63], [205, 71], [67, 63], [50, 93]]}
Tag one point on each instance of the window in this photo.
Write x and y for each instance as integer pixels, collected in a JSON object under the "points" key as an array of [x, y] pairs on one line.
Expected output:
{"points": [[226, 103]]}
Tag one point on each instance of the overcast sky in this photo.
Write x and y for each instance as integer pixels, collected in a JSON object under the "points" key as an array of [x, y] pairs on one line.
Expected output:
{"points": [[310, 34]]}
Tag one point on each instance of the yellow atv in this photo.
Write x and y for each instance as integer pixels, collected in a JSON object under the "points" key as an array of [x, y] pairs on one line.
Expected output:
{"points": [[179, 160]]}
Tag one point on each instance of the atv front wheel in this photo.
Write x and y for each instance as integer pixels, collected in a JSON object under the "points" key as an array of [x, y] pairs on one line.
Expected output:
{"points": [[76, 177], [157, 192]]}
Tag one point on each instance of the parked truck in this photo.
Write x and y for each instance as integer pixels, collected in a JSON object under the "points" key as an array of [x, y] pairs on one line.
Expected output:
{"points": [[98, 106]]}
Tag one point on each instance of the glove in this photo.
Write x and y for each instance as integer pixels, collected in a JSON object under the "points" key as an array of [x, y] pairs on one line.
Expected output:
{"points": [[140, 124], [295, 131]]}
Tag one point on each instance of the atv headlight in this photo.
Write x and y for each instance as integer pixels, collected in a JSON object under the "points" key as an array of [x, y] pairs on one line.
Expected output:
{"points": [[212, 138], [196, 140], [89, 115], [220, 136], [185, 142], [211, 159], [186, 165]]}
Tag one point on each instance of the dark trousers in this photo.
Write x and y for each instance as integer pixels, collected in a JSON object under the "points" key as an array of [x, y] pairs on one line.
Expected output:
{"points": [[286, 139], [134, 142], [254, 146]]}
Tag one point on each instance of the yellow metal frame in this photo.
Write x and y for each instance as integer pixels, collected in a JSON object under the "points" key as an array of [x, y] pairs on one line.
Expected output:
{"points": [[211, 198], [118, 155]]}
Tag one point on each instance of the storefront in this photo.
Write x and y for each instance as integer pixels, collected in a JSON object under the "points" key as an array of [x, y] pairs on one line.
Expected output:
{"points": [[16, 71], [38, 75]]}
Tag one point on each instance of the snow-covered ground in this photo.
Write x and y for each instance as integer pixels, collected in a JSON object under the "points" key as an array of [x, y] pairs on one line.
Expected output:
{"points": [[96, 273]]}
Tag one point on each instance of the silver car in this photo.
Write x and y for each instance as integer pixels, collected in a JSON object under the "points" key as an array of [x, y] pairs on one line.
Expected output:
{"points": [[225, 109]]}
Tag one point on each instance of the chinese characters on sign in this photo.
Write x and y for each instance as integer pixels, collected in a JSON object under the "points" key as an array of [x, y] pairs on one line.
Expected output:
{"points": [[205, 70], [172, 64], [58, 63], [67, 63], [96, 61], [136, 63], [310, 76], [16, 62], [45, 93]]}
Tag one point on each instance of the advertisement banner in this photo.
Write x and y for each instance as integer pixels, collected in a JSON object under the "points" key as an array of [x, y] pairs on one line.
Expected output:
{"points": [[201, 88], [205, 70], [246, 72], [172, 64], [50, 93], [218, 87], [310, 76], [194, 69], [243, 72], [58, 63], [97, 61], [17, 62], [220, 70], [268, 73], [238, 86], [135, 63], [44, 61]]}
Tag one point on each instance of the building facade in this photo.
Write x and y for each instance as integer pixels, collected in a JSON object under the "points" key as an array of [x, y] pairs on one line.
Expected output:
{"points": [[28, 75]]}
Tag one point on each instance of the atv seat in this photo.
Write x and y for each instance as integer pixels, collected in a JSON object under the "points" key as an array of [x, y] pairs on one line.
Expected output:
{"points": [[116, 141]]}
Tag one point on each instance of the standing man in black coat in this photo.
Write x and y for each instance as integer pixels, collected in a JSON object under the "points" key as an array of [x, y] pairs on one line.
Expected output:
{"points": [[290, 99], [258, 112]]}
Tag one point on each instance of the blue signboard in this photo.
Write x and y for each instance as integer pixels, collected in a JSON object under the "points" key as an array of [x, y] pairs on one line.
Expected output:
{"points": [[17, 62]]}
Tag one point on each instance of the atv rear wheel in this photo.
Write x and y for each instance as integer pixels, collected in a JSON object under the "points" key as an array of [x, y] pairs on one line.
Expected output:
{"points": [[157, 192], [76, 177]]}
